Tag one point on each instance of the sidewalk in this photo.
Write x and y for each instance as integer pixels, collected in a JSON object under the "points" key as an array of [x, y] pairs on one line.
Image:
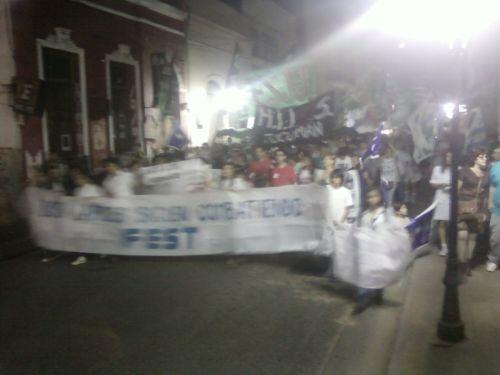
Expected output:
{"points": [[417, 351]]}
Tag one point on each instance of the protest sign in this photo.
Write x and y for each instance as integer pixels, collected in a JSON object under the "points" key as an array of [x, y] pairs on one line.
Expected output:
{"points": [[295, 124], [255, 221], [178, 177]]}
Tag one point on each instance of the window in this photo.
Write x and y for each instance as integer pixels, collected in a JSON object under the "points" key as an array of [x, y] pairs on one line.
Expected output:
{"points": [[62, 103]]}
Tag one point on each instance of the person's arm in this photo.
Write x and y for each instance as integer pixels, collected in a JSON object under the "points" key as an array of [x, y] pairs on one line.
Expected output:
{"points": [[345, 214]]}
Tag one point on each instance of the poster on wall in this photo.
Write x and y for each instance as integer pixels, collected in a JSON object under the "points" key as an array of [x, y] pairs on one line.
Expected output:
{"points": [[309, 122], [99, 140], [165, 84], [27, 96]]}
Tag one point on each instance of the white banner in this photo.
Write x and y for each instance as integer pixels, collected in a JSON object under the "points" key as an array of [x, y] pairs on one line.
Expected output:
{"points": [[268, 220], [174, 178]]}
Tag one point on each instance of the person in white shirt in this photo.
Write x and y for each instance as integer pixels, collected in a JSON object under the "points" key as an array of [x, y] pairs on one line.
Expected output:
{"points": [[441, 181], [84, 189], [117, 183], [377, 216], [230, 181], [339, 200], [322, 176]]}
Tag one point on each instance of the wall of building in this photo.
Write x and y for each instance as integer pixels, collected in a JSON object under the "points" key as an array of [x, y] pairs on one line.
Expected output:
{"points": [[263, 32], [98, 33], [10, 135]]}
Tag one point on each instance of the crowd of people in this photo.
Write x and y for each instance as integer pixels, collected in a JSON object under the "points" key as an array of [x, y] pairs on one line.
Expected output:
{"points": [[387, 183]]}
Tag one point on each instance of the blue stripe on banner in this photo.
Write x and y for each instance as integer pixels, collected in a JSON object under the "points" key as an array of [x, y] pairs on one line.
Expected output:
{"points": [[420, 227]]}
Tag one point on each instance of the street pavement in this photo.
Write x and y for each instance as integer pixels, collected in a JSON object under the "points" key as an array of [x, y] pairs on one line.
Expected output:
{"points": [[419, 352], [220, 315]]}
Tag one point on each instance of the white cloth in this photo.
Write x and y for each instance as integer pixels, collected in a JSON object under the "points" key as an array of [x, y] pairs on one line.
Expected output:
{"points": [[374, 255], [338, 200], [120, 185], [89, 190], [379, 218], [442, 196]]}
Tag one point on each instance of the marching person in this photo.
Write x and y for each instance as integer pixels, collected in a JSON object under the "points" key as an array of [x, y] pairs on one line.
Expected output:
{"points": [[282, 173], [84, 189], [323, 175], [472, 213], [441, 181], [230, 180], [339, 199], [258, 169], [389, 175], [117, 183], [401, 214], [305, 175], [494, 204], [376, 216]]}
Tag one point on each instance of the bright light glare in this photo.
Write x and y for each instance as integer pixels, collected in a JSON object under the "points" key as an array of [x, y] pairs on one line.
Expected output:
{"points": [[449, 110], [432, 20], [232, 99]]}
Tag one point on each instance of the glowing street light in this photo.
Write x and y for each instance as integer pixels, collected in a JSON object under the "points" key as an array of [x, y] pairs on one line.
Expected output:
{"points": [[431, 20], [439, 21], [449, 110]]}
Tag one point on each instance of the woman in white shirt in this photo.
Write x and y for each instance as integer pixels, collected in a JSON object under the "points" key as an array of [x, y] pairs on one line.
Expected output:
{"points": [[441, 181], [230, 181]]}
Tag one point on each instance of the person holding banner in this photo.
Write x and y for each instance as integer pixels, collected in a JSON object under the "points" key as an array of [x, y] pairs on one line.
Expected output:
{"points": [[377, 216], [230, 181], [282, 174], [84, 189], [117, 183]]}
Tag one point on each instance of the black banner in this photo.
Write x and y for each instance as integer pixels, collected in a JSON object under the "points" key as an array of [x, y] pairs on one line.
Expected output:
{"points": [[309, 122]]}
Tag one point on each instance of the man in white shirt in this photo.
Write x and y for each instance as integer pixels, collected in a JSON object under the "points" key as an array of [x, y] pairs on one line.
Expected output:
{"points": [[339, 199], [84, 189], [117, 183]]}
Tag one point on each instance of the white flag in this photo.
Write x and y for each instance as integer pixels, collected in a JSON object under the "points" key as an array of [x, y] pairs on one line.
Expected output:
{"points": [[422, 123]]}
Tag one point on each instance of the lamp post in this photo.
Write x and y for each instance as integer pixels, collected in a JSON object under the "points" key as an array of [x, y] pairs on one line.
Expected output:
{"points": [[440, 21], [450, 327]]}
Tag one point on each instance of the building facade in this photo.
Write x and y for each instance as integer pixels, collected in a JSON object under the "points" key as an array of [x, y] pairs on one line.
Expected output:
{"points": [[226, 38], [10, 134], [111, 75]]}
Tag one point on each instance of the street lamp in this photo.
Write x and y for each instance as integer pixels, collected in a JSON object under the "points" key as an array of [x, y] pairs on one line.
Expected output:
{"points": [[445, 21]]}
